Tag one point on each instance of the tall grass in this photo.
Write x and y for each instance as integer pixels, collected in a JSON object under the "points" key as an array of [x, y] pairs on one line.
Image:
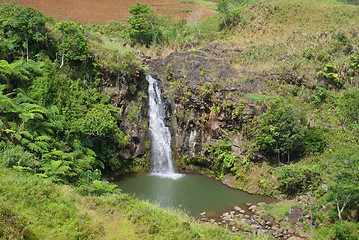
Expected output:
{"points": [[36, 208]]}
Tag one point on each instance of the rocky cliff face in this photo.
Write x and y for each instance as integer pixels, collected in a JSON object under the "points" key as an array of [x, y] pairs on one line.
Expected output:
{"points": [[130, 96], [207, 98]]}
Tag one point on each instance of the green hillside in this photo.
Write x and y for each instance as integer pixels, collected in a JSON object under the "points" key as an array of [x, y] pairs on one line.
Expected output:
{"points": [[270, 86]]}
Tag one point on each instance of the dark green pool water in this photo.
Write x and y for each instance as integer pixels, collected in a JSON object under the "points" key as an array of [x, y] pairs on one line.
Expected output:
{"points": [[193, 193]]}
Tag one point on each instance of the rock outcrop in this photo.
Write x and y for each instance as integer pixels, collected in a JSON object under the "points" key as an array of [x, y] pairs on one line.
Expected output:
{"points": [[204, 90], [253, 218]]}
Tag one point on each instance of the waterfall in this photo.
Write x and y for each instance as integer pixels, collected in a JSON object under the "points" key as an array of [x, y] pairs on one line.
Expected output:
{"points": [[161, 152]]}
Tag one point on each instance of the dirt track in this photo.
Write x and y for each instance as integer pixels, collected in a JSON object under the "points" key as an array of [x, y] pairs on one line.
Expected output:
{"points": [[102, 11]]}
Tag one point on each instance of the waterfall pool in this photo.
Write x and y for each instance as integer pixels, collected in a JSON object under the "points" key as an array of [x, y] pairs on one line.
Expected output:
{"points": [[192, 193]]}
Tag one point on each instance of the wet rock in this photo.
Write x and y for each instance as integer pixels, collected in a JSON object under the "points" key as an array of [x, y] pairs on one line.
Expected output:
{"points": [[252, 208], [203, 213], [238, 209], [227, 218], [261, 204], [247, 217], [269, 223]]}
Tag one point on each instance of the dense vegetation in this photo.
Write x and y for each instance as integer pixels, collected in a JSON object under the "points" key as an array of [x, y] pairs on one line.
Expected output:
{"points": [[58, 123], [55, 120]]}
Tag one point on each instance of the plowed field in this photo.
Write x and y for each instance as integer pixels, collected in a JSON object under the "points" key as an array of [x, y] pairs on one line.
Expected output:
{"points": [[102, 11]]}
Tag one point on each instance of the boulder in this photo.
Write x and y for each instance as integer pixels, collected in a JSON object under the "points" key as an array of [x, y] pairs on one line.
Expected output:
{"points": [[266, 218], [275, 228], [269, 223], [292, 230], [238, 209], [227, 218], [295, 214], [261, 204], [252, 208], [300, 226]]}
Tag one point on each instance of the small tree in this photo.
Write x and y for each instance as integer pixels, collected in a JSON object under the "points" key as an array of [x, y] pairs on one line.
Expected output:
{"points": [[231, 11], [74, 44], [280, 131], [144, 26], [343, 185], [27, 26]]}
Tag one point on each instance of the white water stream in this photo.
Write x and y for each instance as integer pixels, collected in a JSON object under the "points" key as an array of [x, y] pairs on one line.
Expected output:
{"points": [[161, 152]]}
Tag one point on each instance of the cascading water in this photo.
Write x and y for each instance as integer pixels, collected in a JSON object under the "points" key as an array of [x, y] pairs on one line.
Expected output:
{"points": [[161, 152]]}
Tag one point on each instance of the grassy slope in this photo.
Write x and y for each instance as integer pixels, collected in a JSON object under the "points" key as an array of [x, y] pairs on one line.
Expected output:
{"points": [[289, 27], [276, 36], [34, 208]]}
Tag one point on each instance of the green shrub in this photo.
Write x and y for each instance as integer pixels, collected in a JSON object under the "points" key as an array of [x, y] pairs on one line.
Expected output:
{"points": [[97, 187], [330, 73], [347, 107], [279, 131], [144, 25], [294, 179], [17, 156], [345, 230], [221, 157], [314, 141]]}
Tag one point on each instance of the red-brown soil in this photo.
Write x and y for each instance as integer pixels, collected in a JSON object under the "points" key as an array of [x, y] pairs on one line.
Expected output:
{"points": [[102, 11]]}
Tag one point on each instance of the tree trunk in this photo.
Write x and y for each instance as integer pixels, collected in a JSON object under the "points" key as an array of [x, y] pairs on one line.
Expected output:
{"points": [[62, 60], [278, 153], [288, 155], [340, 210], [27, 49]]}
